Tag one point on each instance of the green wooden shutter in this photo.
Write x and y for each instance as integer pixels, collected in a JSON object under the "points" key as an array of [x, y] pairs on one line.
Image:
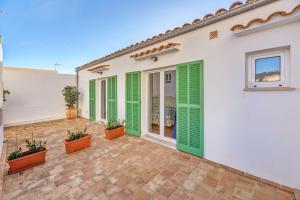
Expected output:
{"points": [[112, 98], [133, 103], [189, 108], [92, 95]]}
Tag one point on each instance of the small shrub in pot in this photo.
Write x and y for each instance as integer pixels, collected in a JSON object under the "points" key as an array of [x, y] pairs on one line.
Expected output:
{"points": [[35, 155], [77, 140], [71, 96], [114, 129]]}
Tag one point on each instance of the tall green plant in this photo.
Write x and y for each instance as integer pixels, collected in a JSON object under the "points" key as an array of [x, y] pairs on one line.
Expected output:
{"points": [[71, 95], [5, 93]]}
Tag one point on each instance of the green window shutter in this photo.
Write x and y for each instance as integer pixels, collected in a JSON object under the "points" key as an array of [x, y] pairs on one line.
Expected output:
{"points": [[189, 106], [133, 103], [112, 98], [92, 102]]}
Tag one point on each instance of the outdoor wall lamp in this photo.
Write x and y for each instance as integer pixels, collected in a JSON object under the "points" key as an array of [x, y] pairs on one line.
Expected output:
{"points": [[155, 58]]}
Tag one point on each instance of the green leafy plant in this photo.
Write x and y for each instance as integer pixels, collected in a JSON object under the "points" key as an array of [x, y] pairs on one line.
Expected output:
{"points": [[15, 154], [114, 124], [71, 95], [35, 146], [32, 145], [5, 93], [77, 134]]}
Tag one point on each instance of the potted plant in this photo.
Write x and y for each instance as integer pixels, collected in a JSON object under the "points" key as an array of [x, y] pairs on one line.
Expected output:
{"points": [[35, 155], [5, 93], [71, 95], [77, 140], [114, 129]]}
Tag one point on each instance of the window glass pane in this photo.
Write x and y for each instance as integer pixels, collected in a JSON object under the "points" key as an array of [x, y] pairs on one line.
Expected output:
{"points": [[103, 99], [170, 104], [154, 103], [168, 78], [268, 69]]}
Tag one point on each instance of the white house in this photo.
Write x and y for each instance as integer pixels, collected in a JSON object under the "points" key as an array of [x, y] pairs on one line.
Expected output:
{"points": [[225, 87]]}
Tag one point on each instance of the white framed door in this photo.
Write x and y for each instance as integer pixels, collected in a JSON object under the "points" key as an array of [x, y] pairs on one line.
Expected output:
{"points": [[102, 111], [161, 102]]}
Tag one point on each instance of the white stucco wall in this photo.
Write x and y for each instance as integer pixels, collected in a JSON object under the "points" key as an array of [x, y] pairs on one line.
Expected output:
{"points": [[35, 95], [1, 95], [256, 132]]}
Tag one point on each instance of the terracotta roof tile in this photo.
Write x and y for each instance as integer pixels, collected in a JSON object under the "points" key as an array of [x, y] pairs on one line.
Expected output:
{"points": [[220, 11], [196, 21], [236, 5], [185, 25], [153, 50], [176, 29], [262, 21], [207, 16], [98, 67]]}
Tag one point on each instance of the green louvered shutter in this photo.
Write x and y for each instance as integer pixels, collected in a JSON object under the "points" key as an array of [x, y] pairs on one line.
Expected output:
{"points": [[189, 106], [112, 98], [133, 103], [92, 95]]}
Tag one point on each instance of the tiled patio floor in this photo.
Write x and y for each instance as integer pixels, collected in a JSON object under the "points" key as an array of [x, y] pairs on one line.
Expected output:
{"points": [[125, 168]]}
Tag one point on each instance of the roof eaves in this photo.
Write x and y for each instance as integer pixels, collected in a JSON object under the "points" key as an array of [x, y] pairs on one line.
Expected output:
{"points": [[179, 31], [263, 21]]}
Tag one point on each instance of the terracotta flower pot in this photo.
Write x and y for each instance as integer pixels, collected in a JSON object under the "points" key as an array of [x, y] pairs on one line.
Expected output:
{"points": [[111, 134], [27, 161], [76, 145], [71, 113]]}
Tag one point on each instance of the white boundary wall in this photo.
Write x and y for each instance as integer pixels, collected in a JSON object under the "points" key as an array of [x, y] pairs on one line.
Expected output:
{"points": [[256, 132], [1, 94], [35, 95]]}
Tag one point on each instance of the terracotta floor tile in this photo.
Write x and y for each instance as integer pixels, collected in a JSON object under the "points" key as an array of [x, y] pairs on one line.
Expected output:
{"points": [[124, 168]]}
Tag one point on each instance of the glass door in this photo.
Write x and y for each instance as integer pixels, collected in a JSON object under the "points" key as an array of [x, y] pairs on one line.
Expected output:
{"points": [[154, 99], [162, 103], [103, 107], [170, 104]]}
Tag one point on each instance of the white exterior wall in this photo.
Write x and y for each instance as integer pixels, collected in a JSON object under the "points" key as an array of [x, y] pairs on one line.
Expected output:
{"points": [[256, 132], [1, 72], [35, 95], [1, 95]]}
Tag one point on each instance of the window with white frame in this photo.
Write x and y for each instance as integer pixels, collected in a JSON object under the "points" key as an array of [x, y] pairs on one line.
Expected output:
{"points": [[168, 78], [269, 68]]}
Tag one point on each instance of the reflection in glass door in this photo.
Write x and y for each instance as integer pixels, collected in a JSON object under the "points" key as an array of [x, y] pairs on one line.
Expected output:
{"points": [[170, 104], [154, 93], [162, 103], [103, 99]]}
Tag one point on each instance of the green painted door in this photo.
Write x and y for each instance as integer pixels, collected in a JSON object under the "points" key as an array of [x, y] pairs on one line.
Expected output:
{"points": [[189, 108], [133, 103], [92, 95], [112, 98]]}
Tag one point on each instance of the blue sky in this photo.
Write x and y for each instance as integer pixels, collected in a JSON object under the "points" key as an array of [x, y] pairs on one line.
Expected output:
{"points": [[40, 33], [270, 64]]}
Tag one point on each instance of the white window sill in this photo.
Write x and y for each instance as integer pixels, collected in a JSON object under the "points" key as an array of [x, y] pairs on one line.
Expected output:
{"points": [[269, 89]]}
